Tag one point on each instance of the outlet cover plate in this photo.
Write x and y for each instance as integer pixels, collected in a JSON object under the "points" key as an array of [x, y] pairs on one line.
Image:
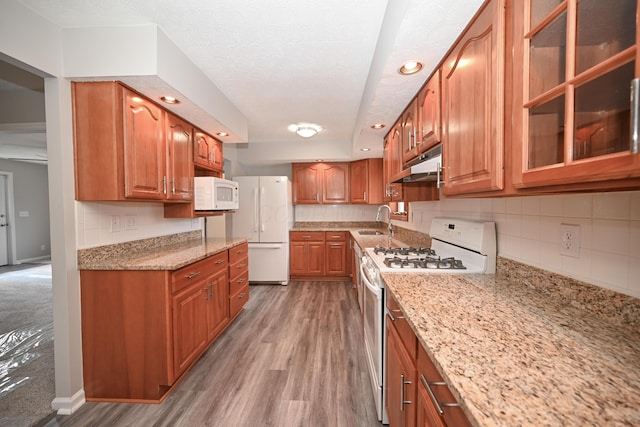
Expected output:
{"points": [[570, 240]]}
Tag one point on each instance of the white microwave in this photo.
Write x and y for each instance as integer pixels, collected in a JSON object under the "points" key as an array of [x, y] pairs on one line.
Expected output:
{"points": [[215, 194]]}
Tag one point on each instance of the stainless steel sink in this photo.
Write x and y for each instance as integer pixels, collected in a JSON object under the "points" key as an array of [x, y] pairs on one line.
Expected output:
{"points": [[370, 233]]}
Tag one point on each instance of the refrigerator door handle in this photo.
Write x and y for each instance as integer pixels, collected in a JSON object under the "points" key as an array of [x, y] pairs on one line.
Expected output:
{"points": [[261, 208], [255, 210]]}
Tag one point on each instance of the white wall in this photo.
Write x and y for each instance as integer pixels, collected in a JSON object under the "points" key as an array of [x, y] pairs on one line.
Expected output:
{"points": [[528, 231]]}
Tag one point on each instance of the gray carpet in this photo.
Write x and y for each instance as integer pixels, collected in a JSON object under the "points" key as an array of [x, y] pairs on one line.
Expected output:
{"points": [[26, 344]]}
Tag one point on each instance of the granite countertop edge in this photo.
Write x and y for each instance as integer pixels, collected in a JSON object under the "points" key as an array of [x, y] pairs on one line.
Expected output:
{"points": [[143, 255]]}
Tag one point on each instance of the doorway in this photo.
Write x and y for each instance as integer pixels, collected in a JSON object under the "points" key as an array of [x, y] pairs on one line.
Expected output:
{"points": [[7, 228]]}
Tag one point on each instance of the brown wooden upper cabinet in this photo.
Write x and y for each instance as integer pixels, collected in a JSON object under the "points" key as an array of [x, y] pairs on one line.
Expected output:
{"points": [[575, 63], [429, 114], [473, 105], [392, 163], [320, 183], [366, 181], [127, 147], [207, 152], [409, 133]]}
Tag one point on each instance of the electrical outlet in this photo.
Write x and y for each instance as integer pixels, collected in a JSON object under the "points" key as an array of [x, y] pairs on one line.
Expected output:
{"points": [[570, 240], [130, 222], [115, 223]]}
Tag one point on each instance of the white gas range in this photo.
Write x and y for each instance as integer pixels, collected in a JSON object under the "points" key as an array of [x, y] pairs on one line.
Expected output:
{"points": [[458, 247]]}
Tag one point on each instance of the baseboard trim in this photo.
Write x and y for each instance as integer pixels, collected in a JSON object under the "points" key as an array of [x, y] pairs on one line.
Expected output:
{"points": [[68, 405], [39, 258]]}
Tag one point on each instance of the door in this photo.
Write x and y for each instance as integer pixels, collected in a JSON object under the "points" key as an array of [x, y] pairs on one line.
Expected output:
{"points": [[274, 209], [4, 258]]}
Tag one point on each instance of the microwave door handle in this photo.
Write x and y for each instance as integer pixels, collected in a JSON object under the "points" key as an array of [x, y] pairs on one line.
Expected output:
{"points": [[262, 209], [255, 210]]}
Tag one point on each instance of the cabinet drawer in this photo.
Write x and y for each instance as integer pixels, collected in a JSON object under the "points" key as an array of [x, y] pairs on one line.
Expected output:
{"points": [[339, 236], [238, 252], [407, 336], [238, 300], [427, 372], [238, 267], [306, 236], [238, 281], [197, 271]]}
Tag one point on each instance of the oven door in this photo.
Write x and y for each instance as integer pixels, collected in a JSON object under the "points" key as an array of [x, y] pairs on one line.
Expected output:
{"points": [[372, 304]]}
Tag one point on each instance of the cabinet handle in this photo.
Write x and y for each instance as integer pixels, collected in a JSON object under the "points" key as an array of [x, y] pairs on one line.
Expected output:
{"points": [[336, 245], [242, 280], [317, 197], [437, 404], [241, 266], [365, 196], [192, 275], [306, 237], [212, 291], [164, 184], [173, 186], [438, 169], [635, 100], [219, 261], [242, 295], [402, 401], [393, 318]]}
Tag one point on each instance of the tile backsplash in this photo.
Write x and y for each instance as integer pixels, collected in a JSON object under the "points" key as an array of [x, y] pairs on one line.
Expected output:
{"points": [[104, 223], [528, 230]]}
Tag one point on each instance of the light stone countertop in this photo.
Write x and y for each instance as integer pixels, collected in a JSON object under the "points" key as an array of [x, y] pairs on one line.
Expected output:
{"points": [[525, 347], [162, 253]]}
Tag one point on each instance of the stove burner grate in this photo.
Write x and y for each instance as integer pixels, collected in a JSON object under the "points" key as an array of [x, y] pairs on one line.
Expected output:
{"points": [[415, 251], [429, 262]]}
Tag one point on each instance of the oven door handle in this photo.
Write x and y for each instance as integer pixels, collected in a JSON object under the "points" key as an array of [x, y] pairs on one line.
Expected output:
{"points": [[374, 289]]}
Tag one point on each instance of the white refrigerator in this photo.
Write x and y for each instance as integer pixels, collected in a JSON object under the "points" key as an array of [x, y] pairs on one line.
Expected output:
{"points": [[265, 216]]}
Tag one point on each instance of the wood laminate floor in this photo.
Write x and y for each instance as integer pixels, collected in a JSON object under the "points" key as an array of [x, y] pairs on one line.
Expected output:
{"points": [[294, 357]]}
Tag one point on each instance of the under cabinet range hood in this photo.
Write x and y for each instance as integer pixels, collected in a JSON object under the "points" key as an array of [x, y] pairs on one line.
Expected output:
{"points": [[424, 168]]}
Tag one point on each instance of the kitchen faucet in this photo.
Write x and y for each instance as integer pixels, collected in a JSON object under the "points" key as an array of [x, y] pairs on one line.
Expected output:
{"points": [[390, 227]]}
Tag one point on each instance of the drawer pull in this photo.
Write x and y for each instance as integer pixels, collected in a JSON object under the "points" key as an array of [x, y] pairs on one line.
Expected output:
{"points": [[242, 295], [393, 318], [192, 275], [219, 261], [306, 237], [241, 266], [437, 404], [402, 401], [241, 280], [336, 245]]}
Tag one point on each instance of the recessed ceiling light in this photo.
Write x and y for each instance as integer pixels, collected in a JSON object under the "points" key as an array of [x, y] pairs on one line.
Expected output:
{"points": [[305, 130], [169, 99], [410, 67], [377, 126], [365, 149], [222, 134], [319, 160]]}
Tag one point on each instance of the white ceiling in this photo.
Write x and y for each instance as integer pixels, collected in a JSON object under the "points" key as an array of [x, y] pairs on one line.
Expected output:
{"points": [[330, 62]]}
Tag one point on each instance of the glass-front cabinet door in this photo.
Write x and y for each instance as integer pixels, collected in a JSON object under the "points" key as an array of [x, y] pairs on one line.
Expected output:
{"points": [[579, 61]]}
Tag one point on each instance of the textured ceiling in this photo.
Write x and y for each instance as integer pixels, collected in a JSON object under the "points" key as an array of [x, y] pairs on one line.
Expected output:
{"points": [[330, 62]]}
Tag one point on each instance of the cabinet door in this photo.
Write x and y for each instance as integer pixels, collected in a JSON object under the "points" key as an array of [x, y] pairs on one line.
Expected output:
{"points": [[144, 148], [207, 152], [179, 159], [336, 258], [429, 116], [576, 63], [335, 183], [217, 303], [297, 258], [401, 383], [359, 178], [189, 326], [410, 132], [307, 183], [315, 258], [473, 104]]}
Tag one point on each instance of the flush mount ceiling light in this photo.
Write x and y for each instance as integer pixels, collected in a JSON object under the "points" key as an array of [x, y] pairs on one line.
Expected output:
{"points": [[305, 130], [410, 67], [365, 149], [169, 99]]}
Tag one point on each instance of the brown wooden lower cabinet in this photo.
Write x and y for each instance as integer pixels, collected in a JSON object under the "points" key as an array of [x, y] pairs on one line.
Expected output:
{"points": [[143, 329], [417, 395], [319, 255]]}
